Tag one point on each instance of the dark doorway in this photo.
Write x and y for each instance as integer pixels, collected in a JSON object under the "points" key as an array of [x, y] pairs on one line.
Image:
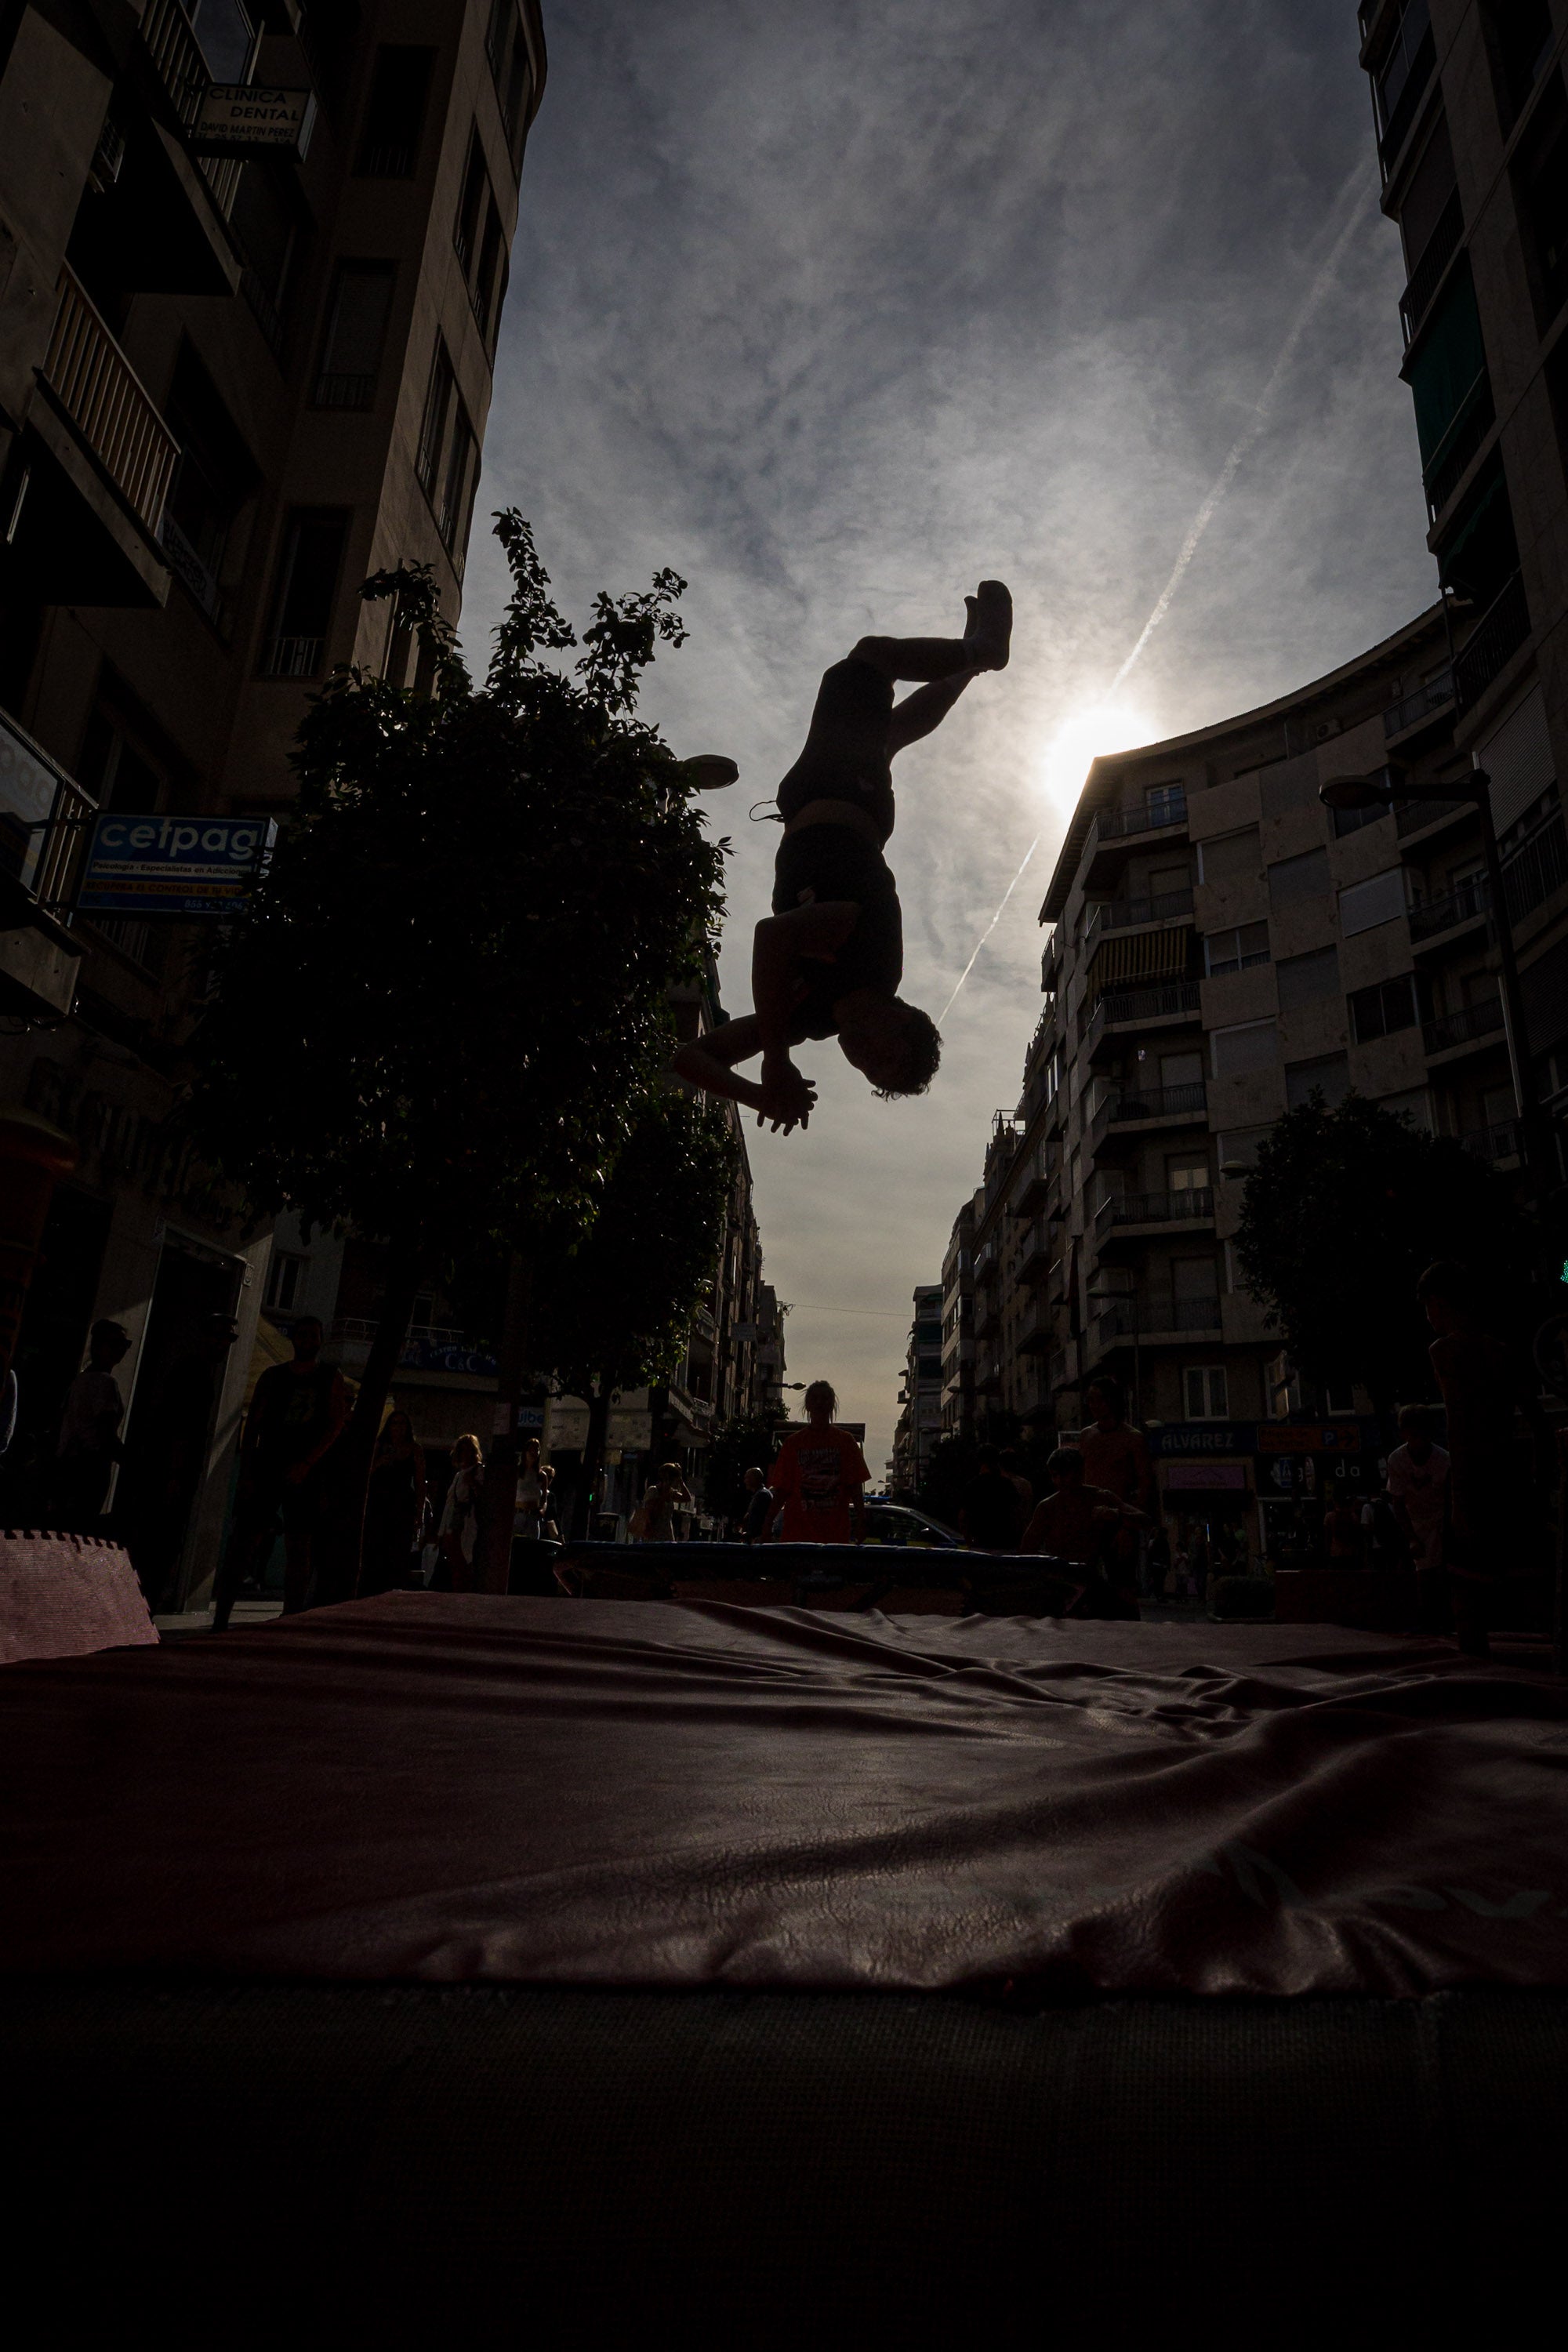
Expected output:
{"points": [[52, 1347], [178, 1384]]}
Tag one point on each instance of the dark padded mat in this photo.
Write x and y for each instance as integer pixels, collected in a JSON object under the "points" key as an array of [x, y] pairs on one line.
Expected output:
{"points": [[417, 2165]]}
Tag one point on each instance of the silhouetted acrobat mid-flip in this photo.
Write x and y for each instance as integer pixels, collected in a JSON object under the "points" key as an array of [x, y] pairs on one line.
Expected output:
{"points": [[828, 961]]}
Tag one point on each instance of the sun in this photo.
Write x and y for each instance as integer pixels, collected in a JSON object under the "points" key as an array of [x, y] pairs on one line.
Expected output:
{"points": [[1114, 724]]}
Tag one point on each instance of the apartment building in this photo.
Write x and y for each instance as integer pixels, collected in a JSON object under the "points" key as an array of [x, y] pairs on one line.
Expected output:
{"points": [[253, 259], [1222, 946], [919, 1424], [958, 1323], [1471, 121]]}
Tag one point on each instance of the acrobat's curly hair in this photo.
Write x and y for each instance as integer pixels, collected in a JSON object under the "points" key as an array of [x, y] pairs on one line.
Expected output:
{"points": [[922, 1053]]}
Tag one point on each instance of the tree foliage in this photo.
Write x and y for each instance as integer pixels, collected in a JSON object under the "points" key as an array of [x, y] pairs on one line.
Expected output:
{"points": [[1343, 1211], [447, 995], [614, 1298], [750, 1442]]}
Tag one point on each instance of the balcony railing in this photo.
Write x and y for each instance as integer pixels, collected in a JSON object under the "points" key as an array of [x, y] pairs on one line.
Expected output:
{"points": [[1125, 914], [1414, 816], [177, 52], [96, 386], [1159, 1102], [1534, 871], [1116, 825], [1191, 1205], [1493, 1143], [1464, 1027], [44, 815], [1475, 418], [293, 657], [1430, 917], [1435, 694], [1436, 254], [1408, 105], [1158, 1002], [1487, 651]]}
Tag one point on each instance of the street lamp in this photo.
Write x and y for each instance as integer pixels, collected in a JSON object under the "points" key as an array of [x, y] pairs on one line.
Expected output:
{"points": [[710, 771], [1381, 789]]}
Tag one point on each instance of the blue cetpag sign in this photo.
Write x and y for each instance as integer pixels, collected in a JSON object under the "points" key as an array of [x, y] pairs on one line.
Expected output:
{"points": [[172, 865]]}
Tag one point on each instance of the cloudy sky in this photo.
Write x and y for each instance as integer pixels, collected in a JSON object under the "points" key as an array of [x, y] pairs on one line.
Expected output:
{"points": [[838, 305]]}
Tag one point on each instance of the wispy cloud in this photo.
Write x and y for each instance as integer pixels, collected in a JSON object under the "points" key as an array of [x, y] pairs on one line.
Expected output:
{"points": [[840, 308]]}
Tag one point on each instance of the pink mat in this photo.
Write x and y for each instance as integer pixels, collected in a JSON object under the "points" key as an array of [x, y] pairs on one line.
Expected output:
{"points": [[648, 1793], [61, 1596]]}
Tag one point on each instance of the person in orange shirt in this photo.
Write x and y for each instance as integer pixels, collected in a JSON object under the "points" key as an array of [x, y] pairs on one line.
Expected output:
{"points": [[819, 1477]]}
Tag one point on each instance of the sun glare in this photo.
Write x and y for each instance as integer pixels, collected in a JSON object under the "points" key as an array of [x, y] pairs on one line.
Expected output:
{"points": [[1112, 725]]}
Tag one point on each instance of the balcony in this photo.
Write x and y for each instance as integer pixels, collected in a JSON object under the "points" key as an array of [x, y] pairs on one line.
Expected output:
{"points": [[176, 51], [1470, 1026], [1059, 1282], [1150, 1211], [1166, 1003], [1422, 816], [1491, 645], [1127, 823], [1426, 278], [1493, 1144], [1150, 1106], [1536, 869], [1037, 1334], [1451, 459], [1402, 718], [1035, 1186], [98, 459], [44, 817], [1409, 104], [986, 1264], [1431, 919], [988, 1374], [1034, 1248], [1132, 914]]}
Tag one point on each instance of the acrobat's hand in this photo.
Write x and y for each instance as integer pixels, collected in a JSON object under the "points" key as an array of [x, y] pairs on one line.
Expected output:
{"points": [[787, 1098]]}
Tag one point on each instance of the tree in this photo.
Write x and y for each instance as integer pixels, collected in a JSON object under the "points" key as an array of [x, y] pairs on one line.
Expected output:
{"points": [[750, 1442], [614, 1298], [446, 1001], [1341, 1214]]}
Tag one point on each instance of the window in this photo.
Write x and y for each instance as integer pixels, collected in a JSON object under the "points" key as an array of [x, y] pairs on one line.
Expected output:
{"points": [[1541, 189], [1296, 878], [1339, 1396], [1165, 804], [1305, 978], [314, 542], [1230, 855], [488, 288], [215, 475], [226, 35], [1205, 1393], [1180, 1070], [1433, 187], [1329, 1076], [395, 113], [1250, 1045], [439, 401], [470, 204], [1384, 1009], [355, 336], [1403, 75], [508, 51], [1521, 39], [1194, 1294], [283, 1280], [267, 232], [1235, 951], [1366, 904], [458, 479], [1415, 1104], [1351, 820]]}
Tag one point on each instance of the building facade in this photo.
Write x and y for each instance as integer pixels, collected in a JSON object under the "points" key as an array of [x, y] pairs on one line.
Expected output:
{"points": [[919, 1424], [253, 258]]}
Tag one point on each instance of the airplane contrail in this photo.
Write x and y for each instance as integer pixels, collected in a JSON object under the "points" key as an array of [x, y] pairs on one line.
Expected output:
{"points": [[1312, 301]]}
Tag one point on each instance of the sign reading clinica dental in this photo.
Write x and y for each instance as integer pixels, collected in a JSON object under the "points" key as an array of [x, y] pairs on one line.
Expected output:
{"points": [[172, 865], [243, 118]]}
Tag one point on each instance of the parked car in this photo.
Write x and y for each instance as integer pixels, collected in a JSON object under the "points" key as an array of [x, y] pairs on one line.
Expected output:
{"points": [[904, 1523]]}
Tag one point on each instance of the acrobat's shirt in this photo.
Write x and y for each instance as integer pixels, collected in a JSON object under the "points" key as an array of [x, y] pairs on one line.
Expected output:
{"points": [[816, 1477]]}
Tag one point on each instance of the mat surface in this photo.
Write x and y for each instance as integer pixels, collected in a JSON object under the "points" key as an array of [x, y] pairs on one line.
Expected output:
{"points": [[587, 1792]]}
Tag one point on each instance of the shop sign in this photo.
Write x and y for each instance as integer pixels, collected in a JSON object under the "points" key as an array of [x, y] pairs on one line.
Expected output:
{"points": [[1214, 1437], [421, 1353], [247, 118], [1205, 1478], [172, 865], [1318, 1437]]}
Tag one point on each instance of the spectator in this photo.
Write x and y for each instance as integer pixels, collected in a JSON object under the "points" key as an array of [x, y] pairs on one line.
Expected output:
{"points": [[534, 1480], [759, 1509], [1080, 1523], [1116, 1457], [1012, 1470], [820, 1477], [1418, 1495], [654, 1520], [1488, 1501], [395, 1507], [988, 1521], [89, 1444], [1159, 1563], [297, 1415], [458, 1531]]}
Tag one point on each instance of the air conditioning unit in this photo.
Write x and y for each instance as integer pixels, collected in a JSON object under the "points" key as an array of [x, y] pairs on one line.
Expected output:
{"points": [[1327, 727]]}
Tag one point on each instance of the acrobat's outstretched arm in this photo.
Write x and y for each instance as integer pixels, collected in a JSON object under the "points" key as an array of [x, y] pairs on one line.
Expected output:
{"points": [[784, 1096]]}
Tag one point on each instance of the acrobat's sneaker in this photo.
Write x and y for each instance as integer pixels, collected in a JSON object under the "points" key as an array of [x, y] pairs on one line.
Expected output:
{"points": [[990, 632]]}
